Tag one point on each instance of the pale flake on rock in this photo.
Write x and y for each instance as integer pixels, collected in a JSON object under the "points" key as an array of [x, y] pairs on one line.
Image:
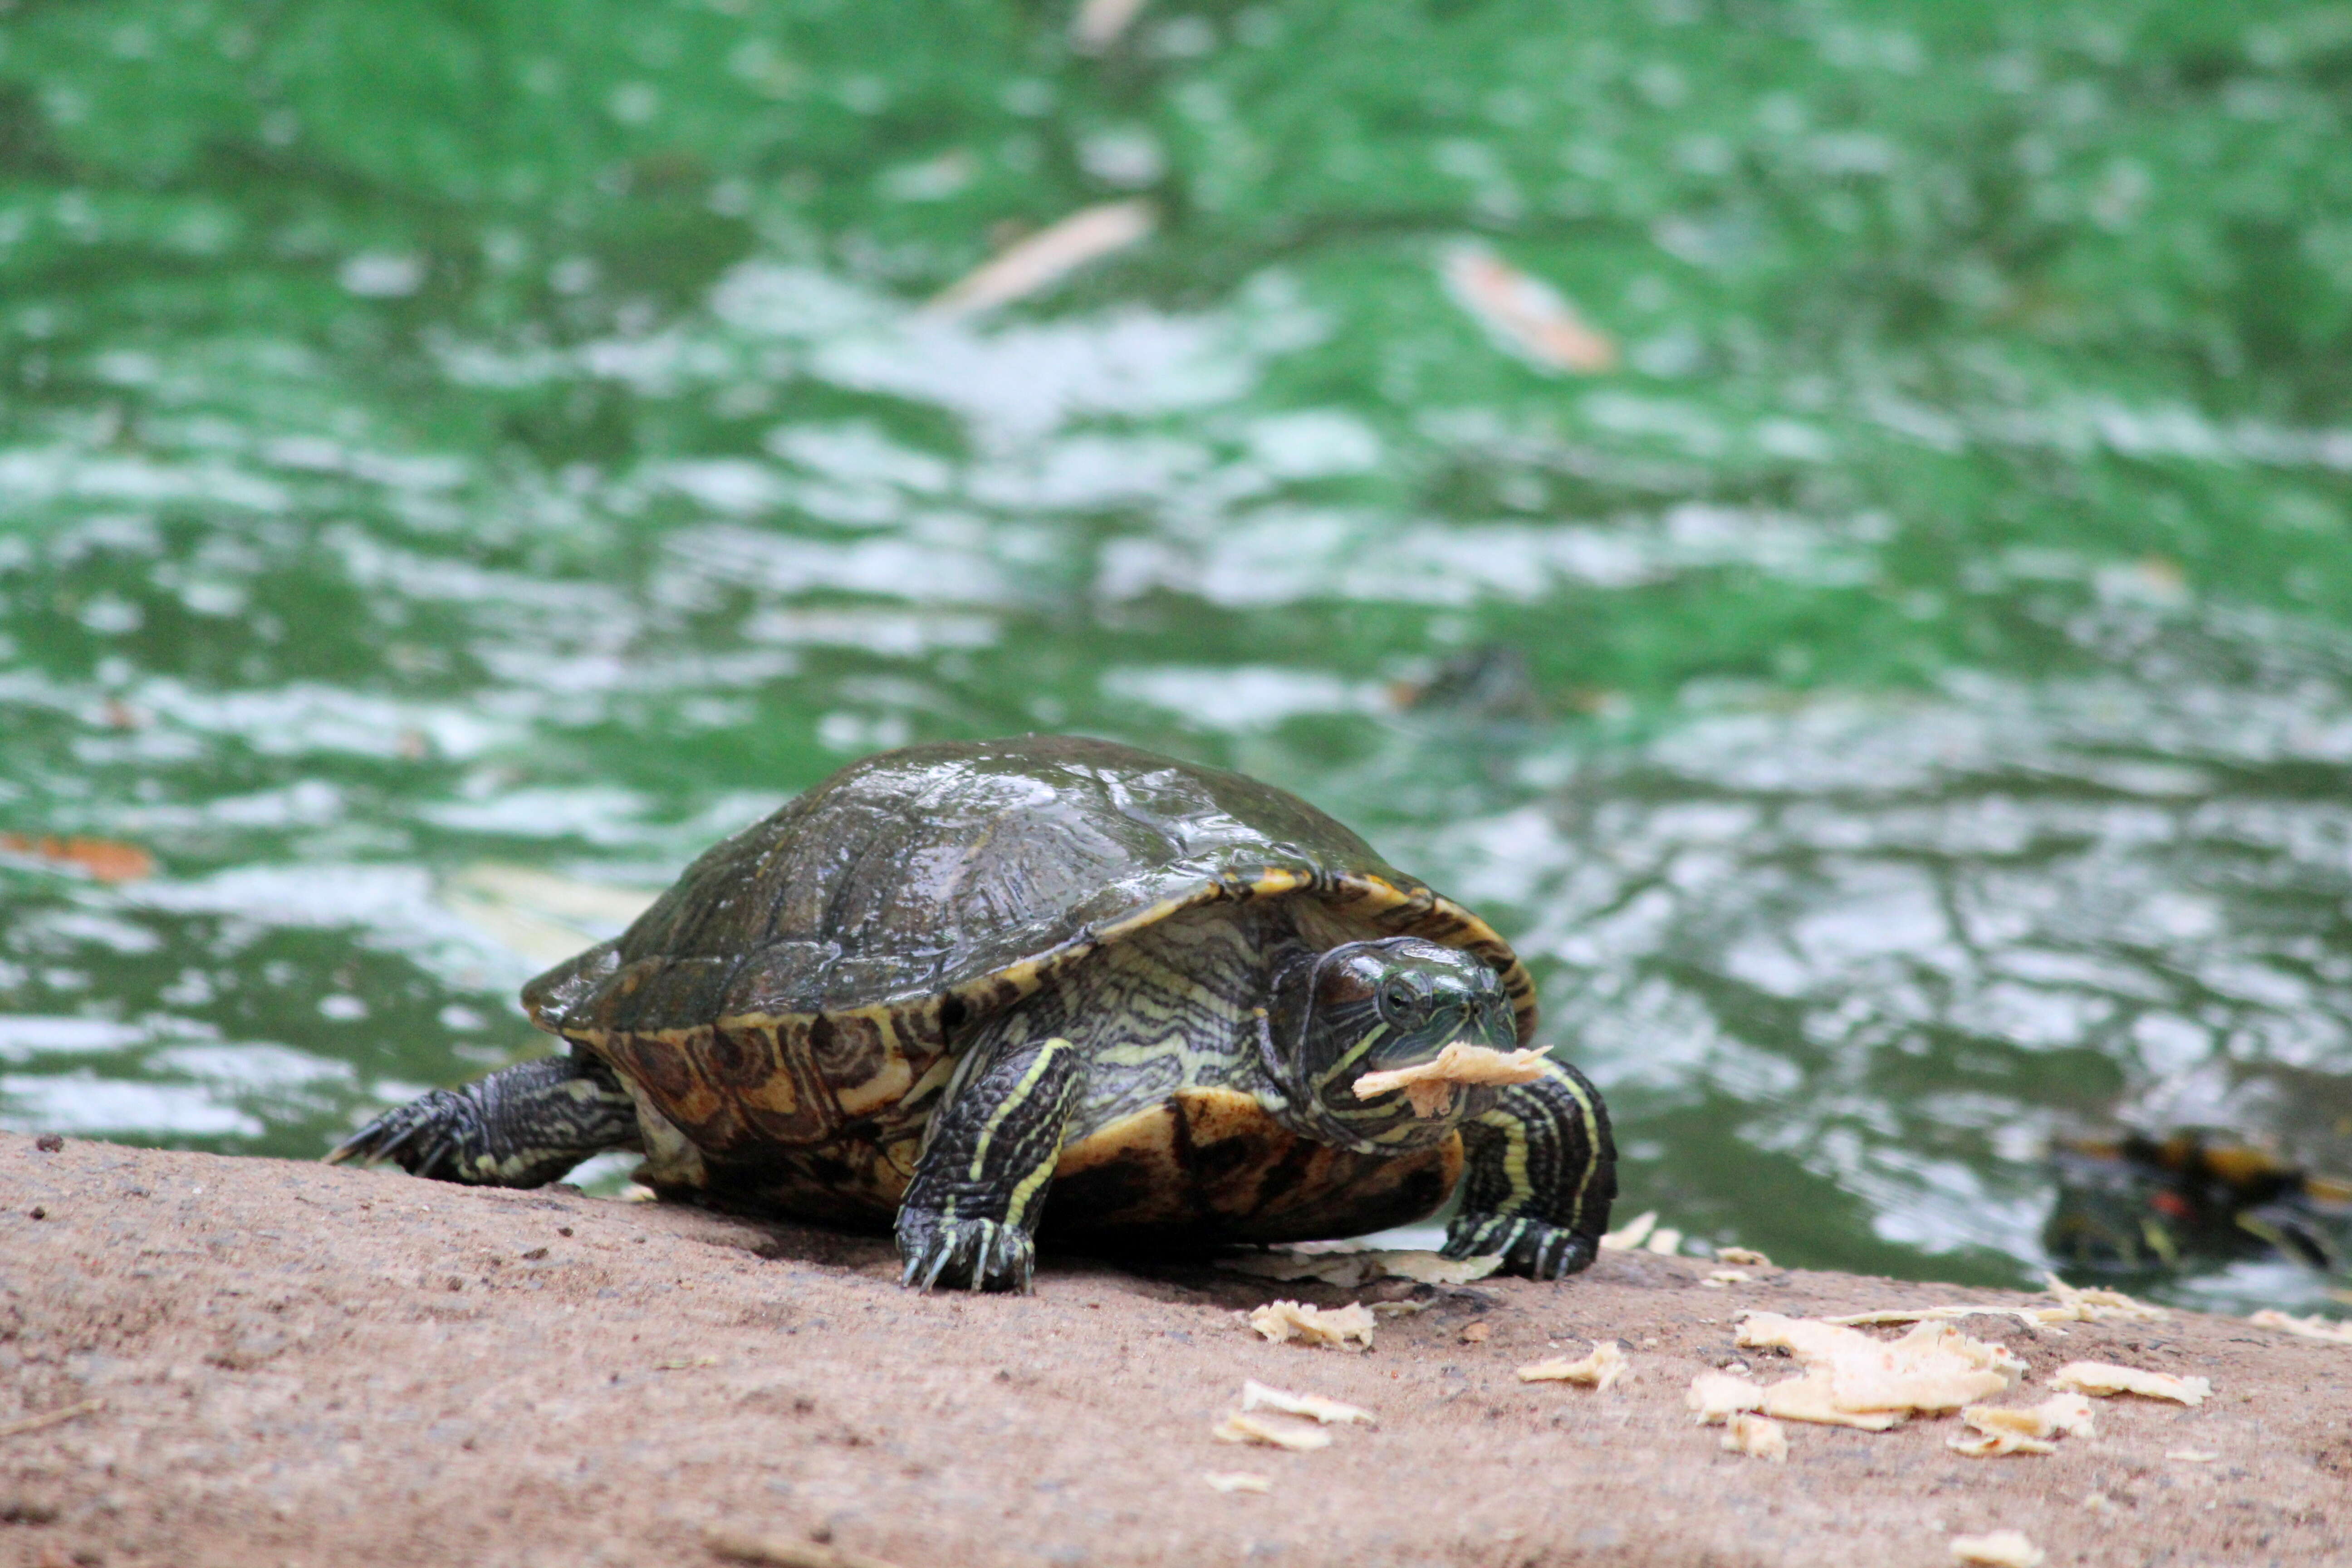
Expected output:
{"points": [[1998, 1549], [2104, 1378], [1599, 1371], [1282, 1321], [1757, 1437]]}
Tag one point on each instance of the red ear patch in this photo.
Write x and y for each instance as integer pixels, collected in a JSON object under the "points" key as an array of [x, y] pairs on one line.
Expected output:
{"points": [[2171, 1204]]}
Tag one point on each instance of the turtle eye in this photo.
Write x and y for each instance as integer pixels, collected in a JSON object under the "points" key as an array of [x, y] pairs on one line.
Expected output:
{"points": [[1399, 1000]]}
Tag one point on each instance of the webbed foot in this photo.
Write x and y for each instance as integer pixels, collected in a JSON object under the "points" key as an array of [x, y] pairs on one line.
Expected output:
{"points": [[1529, 1247], [1542, 1172], [522, 1126], [964, 1254], [424, 1138], [988, 1160]]}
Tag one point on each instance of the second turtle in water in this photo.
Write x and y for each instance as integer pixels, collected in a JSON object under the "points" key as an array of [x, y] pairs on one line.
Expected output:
{"points": [[950, 979]]}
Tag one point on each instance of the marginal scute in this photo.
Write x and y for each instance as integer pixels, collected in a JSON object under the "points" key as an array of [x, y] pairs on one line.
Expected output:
{"points": [[738, 1059], [848, 1047], [779, 1093]]}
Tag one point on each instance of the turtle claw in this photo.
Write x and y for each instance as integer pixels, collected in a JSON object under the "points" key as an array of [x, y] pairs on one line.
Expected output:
{"points": [[395, 1136], [1529, 1247], [972, 1254], [426, 1137]]}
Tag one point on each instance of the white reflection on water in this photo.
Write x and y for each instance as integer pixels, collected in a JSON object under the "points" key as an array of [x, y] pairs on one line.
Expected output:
{"points": [[249, 1067], [83, 1103], [897, 633], [949, 561], [1247, 697], [391, 908], [23, 1036], [1281, 555]]}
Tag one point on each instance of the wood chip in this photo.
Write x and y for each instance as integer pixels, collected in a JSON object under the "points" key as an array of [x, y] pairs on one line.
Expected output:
{"points": [[1718, 1396], [1813, 1397], [1238, 1481], [1275, 1431], [1720, 1278], [1435, 1268], [2192, 1455], [1597, 1371], [1033, 265], [2088, 1306], [1631, 1234], [1351, 1269], [2001, 1548], [1757, 1437], [1850, 1374], [2000, 1431], [2098, 1305], [1885, 1317], [1282, 1321], [1524, 315], [2069, 1415], [2028, 1431], [1429, 1085], [1998, 1445], [742, 1546], [47, 1418], [1665, 1240], [2102, 1379], [2312, 1328], [1742, 1255], [1256, 1395]]}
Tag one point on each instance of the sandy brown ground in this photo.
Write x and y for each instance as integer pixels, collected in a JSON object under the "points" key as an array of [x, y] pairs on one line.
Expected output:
{"points": [[302, 1364]]}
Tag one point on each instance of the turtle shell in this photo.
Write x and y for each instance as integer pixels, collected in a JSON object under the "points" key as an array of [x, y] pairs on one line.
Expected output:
{"points": [[812, 971]]}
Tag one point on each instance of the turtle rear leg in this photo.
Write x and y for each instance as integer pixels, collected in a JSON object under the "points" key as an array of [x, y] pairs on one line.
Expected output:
{"points": [[968, 1216], [1541, 1174], [522, 1126]]}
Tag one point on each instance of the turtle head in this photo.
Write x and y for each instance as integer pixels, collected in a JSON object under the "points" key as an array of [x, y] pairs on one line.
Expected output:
{"points": [[1373, 1006]]}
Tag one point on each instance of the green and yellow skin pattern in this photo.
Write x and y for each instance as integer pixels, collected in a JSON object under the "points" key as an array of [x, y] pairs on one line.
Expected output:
{"points": [[1171, 1110], [971, 1212], [1541, 1167]]}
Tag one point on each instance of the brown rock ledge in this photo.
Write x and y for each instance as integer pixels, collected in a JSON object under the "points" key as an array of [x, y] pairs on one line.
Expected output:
{"points": [[295, 1364]]}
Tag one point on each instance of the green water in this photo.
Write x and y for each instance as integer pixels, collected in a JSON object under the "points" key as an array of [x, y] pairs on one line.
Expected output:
{"points": [[434, 435]]}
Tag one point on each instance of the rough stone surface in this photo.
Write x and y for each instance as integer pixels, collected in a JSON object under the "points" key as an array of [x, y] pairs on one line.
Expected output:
{"points": [[302, 1364]]}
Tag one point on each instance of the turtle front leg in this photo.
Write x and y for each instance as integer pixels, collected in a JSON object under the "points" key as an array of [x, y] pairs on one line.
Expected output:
{"points": [[1542, 1172], [988, 1157]]}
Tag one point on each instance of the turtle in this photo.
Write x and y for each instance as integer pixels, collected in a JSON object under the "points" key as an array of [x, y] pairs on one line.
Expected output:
{"points": [[2137, 1204], [2220, 1161], [953, 980]]}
